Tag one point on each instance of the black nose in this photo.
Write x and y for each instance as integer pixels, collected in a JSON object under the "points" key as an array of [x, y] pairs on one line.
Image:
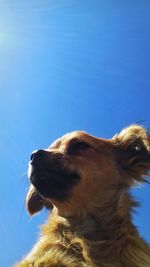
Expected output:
{"points": [[38, 155]]}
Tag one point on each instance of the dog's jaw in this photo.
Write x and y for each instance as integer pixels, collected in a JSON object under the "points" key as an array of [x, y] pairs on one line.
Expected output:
{"points": [[53, 183]]}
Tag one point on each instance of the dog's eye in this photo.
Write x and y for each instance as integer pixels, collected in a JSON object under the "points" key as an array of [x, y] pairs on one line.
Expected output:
{"points": [[76, 147]]}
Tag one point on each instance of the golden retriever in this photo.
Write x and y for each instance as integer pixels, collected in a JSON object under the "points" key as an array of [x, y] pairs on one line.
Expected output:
{"points": [[86, 181]]}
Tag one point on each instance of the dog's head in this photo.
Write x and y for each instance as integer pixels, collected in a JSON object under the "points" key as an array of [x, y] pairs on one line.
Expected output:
{"points": [[78, 170]]}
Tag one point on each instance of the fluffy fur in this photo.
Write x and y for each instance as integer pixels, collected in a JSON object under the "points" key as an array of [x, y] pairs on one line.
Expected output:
{"points": [[92, 226]]}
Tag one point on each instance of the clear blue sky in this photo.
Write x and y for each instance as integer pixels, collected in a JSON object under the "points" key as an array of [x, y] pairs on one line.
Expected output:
{"points": [[66, 65]]}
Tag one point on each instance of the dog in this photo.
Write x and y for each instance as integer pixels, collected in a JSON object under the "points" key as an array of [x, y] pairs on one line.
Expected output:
{"points": [[86, 182]]}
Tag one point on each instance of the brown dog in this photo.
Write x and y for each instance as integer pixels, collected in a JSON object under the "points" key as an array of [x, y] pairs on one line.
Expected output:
{"points": [[87, 181]]}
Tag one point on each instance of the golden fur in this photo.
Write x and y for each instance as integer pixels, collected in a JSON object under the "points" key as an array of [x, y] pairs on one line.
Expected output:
{"points": [[93, 227]]}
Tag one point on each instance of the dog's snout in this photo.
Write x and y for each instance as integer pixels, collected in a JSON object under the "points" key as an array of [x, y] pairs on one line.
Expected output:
{"points": [[38, 155]]}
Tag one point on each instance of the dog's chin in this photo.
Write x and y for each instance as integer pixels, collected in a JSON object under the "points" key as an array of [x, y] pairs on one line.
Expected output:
{"points": [[53, 184]]}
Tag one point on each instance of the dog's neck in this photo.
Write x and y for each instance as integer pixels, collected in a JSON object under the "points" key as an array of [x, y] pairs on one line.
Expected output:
{"points": [[107, 221], [103, 221], [108, 233]]}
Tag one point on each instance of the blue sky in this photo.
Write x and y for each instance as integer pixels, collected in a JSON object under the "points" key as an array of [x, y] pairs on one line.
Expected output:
{"points": [[66, 65]]}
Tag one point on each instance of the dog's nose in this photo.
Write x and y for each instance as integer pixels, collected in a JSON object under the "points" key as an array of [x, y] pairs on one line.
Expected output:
{"points": [[38, 155]]}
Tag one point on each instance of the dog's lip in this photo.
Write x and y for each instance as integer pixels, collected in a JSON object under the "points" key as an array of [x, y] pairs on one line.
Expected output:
{"points": [[33, 171], [34, 176], [46, 177], [52, 171], [52, 183]]}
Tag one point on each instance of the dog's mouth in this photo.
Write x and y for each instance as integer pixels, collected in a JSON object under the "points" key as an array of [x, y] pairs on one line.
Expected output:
{"points": [[53, 183]]}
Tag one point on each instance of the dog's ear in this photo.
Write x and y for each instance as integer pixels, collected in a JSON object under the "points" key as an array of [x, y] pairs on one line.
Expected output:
{"points": [[34, 201], [133, 151]]}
